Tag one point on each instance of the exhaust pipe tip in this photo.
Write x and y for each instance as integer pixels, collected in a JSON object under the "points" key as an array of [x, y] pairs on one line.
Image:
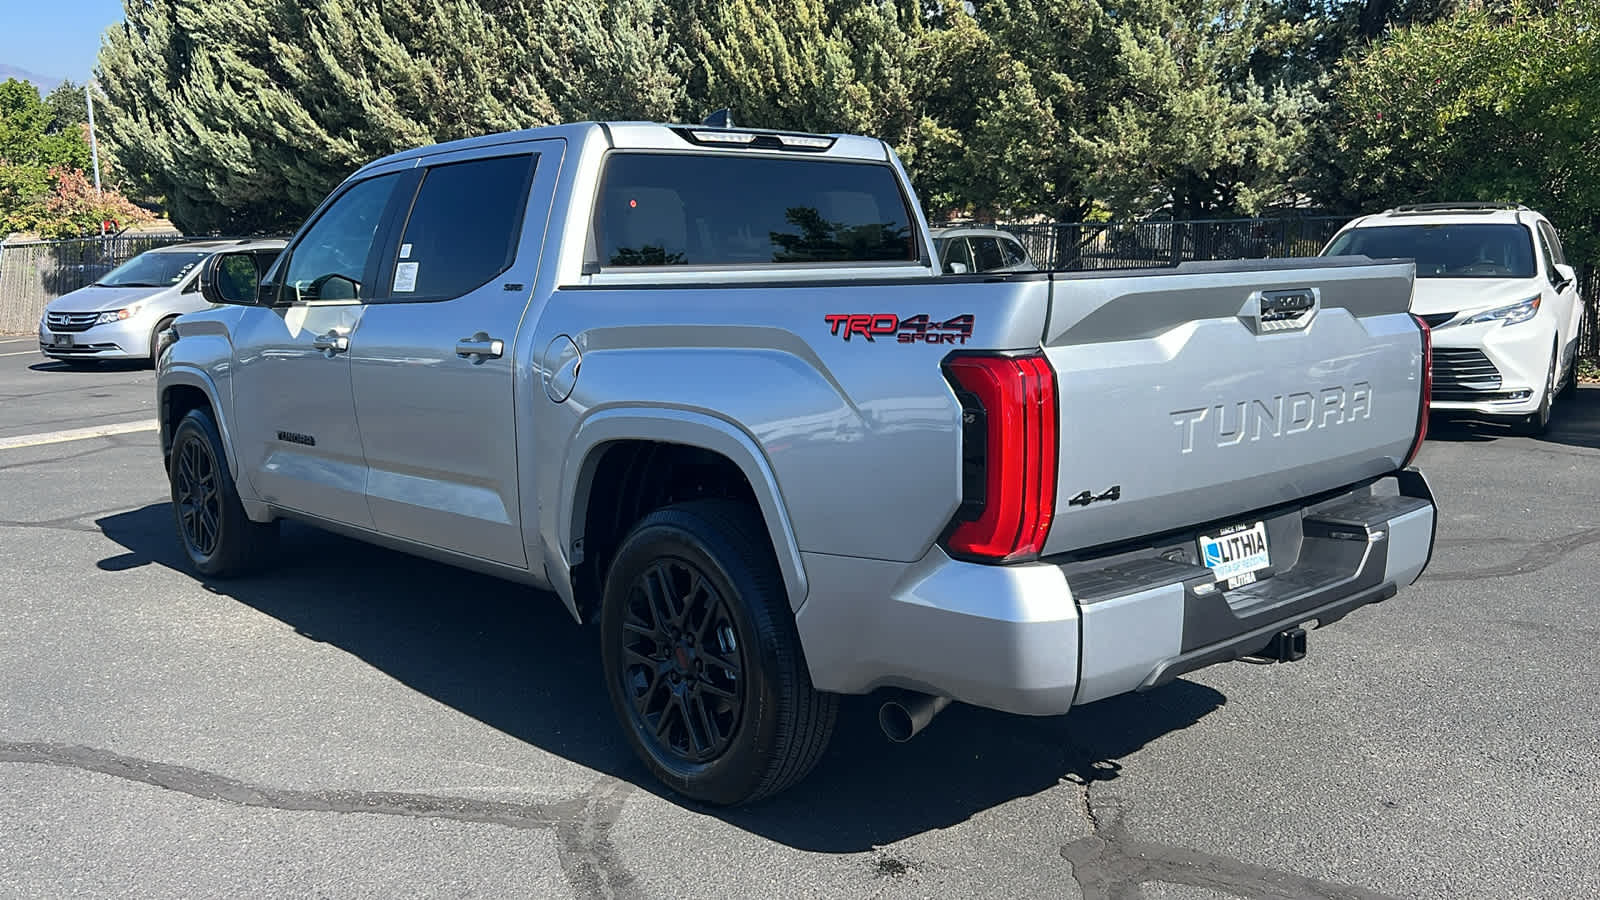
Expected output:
{"points": [[905, 716]]}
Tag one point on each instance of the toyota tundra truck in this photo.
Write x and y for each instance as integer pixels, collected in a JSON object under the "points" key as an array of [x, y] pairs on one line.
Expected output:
{"points": [[709, 388]]}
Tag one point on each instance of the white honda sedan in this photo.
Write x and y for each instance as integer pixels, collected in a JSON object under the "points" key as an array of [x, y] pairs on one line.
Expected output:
{"points": [[1494, 286]]}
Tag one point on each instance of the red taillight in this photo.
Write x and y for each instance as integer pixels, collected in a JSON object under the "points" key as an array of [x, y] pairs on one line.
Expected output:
{"points": [[1427, 390], [1008, 455]]}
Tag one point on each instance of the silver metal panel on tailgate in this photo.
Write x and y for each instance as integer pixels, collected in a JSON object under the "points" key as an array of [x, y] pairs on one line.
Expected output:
{"points": [[1194, 398]]}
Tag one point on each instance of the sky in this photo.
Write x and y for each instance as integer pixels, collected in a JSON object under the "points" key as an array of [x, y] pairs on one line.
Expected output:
{"points": [[55, 39]]}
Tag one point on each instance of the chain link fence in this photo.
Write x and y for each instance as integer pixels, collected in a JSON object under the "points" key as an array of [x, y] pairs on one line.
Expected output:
{"points": [[32, 273]]}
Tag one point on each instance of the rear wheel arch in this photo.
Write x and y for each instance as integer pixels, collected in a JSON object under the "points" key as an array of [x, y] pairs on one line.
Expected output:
{"points": [[624, 466]]}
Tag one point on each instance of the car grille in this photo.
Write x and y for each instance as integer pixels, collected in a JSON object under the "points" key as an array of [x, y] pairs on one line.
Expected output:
{"points": [[1463, 374], [65, 322], [1437, 319]]}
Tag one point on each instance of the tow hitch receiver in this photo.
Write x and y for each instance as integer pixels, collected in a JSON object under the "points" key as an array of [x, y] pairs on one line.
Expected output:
{"points": [[1287, 646]]}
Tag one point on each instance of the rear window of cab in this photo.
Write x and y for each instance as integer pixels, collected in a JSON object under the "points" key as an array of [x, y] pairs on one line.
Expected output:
{"points": [[704, 210]]}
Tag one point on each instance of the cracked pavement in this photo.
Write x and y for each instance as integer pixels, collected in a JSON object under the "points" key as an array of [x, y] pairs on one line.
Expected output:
{"points": [[358, 723]]}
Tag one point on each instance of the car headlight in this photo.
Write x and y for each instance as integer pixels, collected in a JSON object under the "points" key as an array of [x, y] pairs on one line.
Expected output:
{"points": [[1507, 315], [117, 315]]}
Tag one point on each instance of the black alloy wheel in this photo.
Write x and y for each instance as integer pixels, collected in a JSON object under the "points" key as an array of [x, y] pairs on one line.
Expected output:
{"points": [[682, 662], [197, 495], [217, 536], [702, 657]]}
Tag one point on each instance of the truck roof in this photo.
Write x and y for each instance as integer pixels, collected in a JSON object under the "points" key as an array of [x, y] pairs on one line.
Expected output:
{"points": [[624, 135]]}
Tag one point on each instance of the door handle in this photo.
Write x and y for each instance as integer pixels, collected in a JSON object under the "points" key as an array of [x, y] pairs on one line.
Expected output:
{"points": [[331, 343], [480, 347]]}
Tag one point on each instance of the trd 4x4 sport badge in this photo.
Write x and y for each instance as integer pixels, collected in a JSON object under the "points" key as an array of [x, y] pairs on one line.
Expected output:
{"points": [[914, 330]]}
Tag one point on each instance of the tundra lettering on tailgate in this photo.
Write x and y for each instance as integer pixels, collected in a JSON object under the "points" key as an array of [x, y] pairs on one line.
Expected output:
{"points": [[1279, 416]]}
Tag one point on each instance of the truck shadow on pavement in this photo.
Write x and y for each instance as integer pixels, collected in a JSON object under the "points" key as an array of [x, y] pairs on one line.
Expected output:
{"points": [[512, 658]]}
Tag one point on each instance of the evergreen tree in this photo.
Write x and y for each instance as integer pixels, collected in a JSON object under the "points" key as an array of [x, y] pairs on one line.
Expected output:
{"points": [[69, 108], [1186, 118], [243, 116]]}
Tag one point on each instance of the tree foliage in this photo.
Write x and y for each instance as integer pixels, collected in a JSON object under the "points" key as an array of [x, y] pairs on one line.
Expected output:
{"points": [[242, 116], [1490, 104], [42, 182]]}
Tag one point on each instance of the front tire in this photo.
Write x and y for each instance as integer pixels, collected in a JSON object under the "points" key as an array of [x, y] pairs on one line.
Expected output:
{"points": [[155, 340], [218, 538], [702, 659], [1538, 422]]}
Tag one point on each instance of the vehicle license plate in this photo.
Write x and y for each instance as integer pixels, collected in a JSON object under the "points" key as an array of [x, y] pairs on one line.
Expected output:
{"points": [[61, 340], [1236, 554]]}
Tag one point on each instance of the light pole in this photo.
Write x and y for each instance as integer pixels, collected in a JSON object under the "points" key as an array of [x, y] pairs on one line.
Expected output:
{"points": [[94, 148]]}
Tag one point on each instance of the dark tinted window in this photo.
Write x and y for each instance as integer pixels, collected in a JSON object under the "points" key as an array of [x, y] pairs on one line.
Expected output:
{"points": [[1446, 251], [1014, 253], [987, 250], [1549, 259], [330, 260], [1555, 242], [463, 228], [957, 251], [684, 210]]}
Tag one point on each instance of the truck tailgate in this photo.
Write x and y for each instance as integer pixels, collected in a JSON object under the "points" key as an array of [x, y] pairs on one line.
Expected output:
{"points": [[1213, 390]]}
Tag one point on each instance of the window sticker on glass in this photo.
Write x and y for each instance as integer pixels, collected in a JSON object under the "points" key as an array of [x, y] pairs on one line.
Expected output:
{"points": [[405, 278], [405, 251]]}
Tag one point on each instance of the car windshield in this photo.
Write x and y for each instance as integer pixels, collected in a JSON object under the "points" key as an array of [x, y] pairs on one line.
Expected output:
{"points": [[1476, 250], [152, 269]]}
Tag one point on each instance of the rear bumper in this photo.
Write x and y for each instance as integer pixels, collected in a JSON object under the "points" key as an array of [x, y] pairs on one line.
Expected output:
{"points": [[1039, 638]]}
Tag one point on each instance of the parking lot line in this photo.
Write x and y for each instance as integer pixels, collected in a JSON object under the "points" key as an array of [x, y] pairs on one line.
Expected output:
{"points": [[76, 434], [19, 353]]}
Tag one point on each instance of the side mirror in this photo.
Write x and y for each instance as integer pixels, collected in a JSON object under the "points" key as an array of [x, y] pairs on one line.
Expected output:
{"points": [[1565, 275], [955, 268], [235, 278]]}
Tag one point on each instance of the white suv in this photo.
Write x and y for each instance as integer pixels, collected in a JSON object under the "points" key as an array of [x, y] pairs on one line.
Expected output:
{"points": [[1495, 287]]}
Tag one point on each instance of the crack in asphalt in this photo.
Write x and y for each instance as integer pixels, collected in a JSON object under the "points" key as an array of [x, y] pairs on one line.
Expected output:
{"points": [[60, 459], [73, 522], [1109, 864], [582, 824], [1541, 555]]}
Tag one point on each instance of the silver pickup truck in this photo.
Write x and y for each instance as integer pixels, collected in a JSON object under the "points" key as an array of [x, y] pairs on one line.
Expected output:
{"points": [[707, 386]]}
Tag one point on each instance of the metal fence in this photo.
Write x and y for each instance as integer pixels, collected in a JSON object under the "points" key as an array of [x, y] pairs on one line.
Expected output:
{"points": [[1076, 246], [32, 273]]}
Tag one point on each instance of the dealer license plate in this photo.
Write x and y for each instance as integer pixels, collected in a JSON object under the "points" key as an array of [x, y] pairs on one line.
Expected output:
{"points": [[1236, 554], [61, 340]]}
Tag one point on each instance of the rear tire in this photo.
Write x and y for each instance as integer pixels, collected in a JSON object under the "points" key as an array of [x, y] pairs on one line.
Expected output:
{"points": [[702, 659], [218, 538]]}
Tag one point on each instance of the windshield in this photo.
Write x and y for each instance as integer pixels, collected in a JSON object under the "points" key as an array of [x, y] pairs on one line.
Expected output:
{"points": [[152, 269], [1475, 250]]}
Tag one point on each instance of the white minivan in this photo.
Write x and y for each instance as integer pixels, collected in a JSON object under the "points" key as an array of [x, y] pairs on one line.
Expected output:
{"points": [[1494, 285]]}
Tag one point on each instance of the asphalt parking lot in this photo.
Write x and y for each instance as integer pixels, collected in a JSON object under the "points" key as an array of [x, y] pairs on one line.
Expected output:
{"points": [[360, 723]]}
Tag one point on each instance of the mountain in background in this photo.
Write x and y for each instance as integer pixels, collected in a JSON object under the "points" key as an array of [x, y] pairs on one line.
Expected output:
{"points": [[42, 82]]}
